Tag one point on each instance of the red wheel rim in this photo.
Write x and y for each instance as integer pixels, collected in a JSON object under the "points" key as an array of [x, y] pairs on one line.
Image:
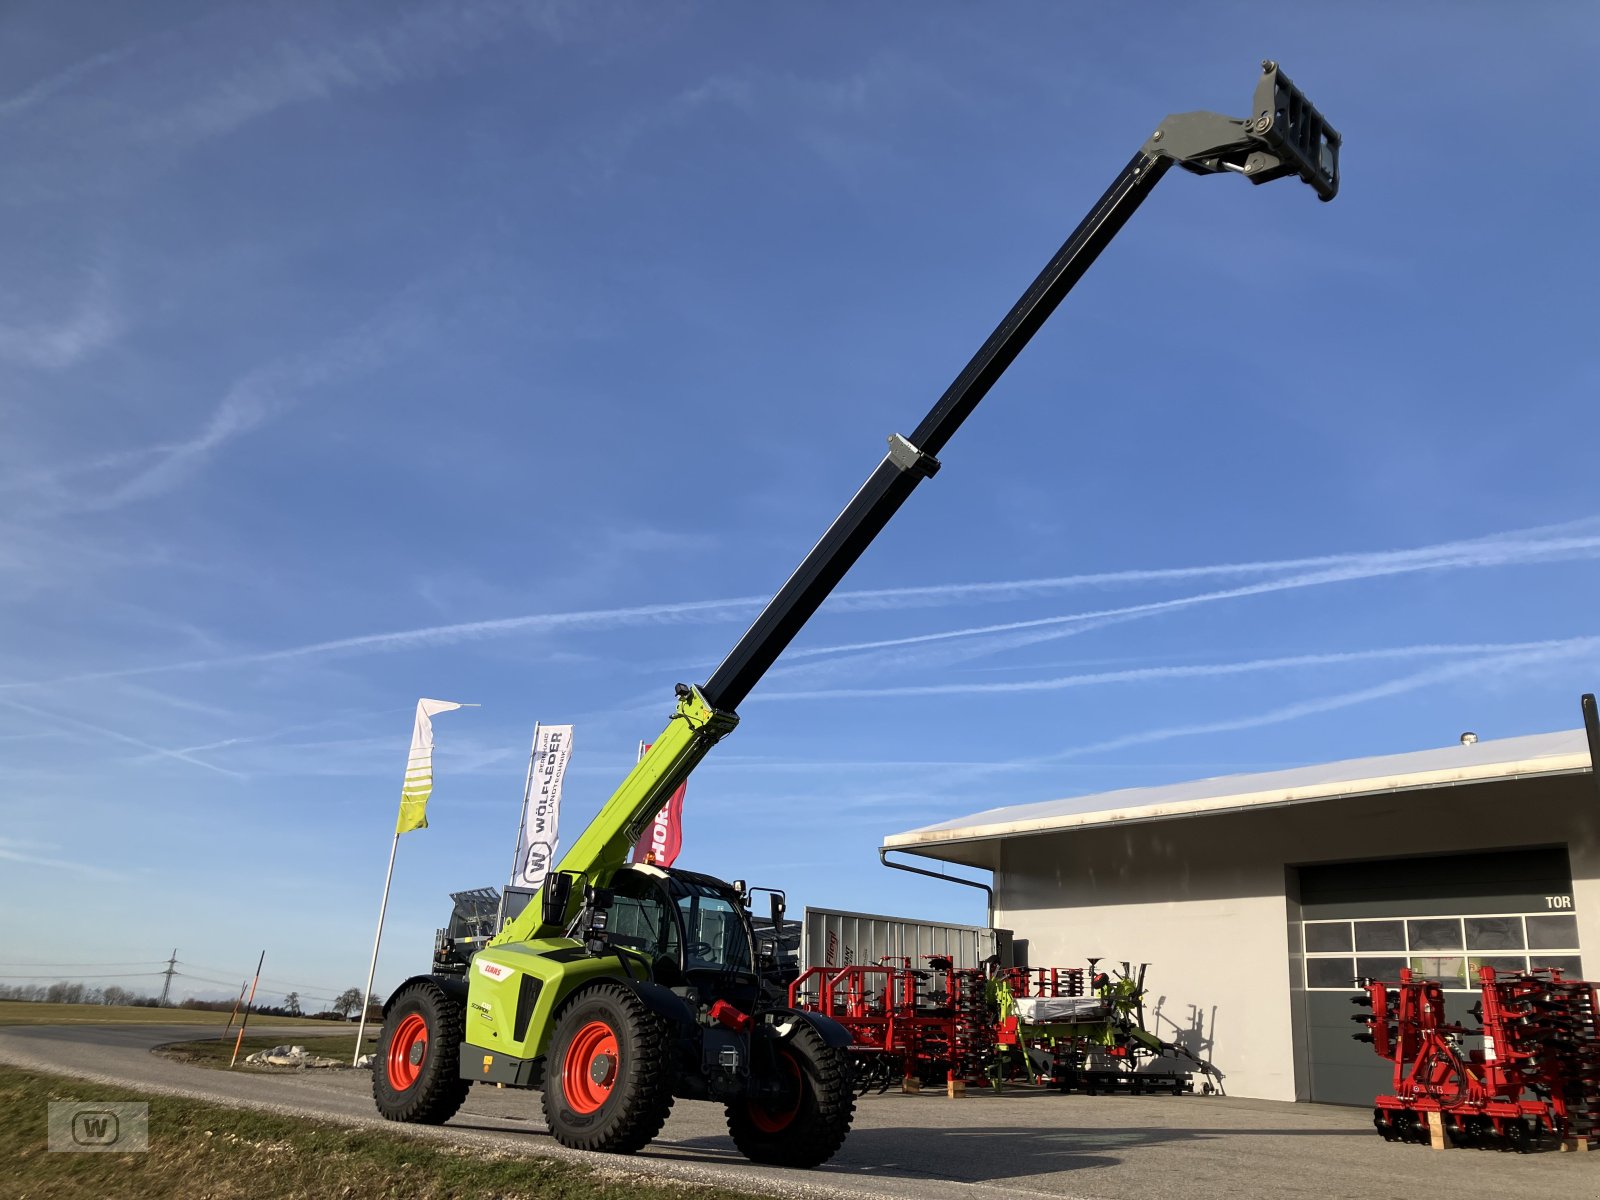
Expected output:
{"points": [[590, 1070], [408, 1048], [769, 1119]]}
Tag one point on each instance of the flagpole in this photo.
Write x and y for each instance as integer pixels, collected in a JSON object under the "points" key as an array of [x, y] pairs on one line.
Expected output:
{"points": [[366, 997], [522, 816], [417, 788]]}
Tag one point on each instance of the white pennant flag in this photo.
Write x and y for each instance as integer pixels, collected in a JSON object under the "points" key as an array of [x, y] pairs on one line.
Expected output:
{"points": [[419, 768], [541, 805]]}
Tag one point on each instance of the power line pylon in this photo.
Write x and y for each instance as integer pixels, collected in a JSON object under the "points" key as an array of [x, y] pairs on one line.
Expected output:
{"points": [[166, 987]]}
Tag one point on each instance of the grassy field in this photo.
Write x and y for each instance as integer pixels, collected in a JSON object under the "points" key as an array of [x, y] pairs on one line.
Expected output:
{"points": [[26, 1012], [203, 1150], [216, 1052]]}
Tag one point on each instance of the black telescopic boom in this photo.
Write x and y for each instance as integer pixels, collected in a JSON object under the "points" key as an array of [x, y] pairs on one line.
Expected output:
{"points": [[1284, 135], [909, 462]]}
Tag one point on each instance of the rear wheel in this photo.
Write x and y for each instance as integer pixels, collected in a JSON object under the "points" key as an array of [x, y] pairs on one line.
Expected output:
{"points": [[608, 1083], [807, 1123], [416, 1072]]}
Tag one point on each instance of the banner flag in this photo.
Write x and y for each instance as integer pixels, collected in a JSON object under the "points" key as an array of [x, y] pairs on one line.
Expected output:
{"points": [[541, 805], [419, 769], [663, 837]]}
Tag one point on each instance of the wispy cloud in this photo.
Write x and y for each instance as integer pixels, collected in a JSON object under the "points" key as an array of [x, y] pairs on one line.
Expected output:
{"points": [[42, 90], [28, 853], [62, 719], [1528, 655], [251, 402], [1498, 661], [1505, 550], [422, 41], [845, 120], [1014, 589], [1198, 670], [1498, 550], [94, 323]]}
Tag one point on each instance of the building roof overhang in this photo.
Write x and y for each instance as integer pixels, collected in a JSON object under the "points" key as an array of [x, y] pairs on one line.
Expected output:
{"points": [[972, 839]]}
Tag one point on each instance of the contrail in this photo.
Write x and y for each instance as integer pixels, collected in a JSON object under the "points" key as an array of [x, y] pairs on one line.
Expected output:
{"points": [[1344, 568], [1193, 671], [435, 635], [1533, 536], [45, 88], [179, 755], [1535, 652], [1350, 570]]}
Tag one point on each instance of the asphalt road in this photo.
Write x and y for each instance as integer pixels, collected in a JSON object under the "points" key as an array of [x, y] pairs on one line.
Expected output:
{"points": [[983, 1147]]}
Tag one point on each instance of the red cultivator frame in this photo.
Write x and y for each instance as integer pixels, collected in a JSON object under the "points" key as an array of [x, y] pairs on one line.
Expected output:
{"points": [[929, 1023], [1537, 1077], [938, 1022]]}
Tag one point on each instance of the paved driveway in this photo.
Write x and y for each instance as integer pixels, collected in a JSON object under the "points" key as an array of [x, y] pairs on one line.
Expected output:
{"points": [[984, 1147]]}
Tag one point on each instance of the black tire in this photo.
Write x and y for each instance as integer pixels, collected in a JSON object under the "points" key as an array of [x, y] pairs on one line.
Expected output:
{"points": [[614, 1095], [422, 1034], [810, 1131]]}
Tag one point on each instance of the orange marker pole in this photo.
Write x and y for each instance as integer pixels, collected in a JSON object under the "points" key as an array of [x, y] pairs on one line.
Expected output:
{"points": [[223, 1036], [245, 1020]]}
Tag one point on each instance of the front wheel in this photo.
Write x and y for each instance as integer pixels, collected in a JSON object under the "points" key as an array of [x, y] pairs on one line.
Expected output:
{"points": [[608, 1083], [416, 1072], [806, 1126]]}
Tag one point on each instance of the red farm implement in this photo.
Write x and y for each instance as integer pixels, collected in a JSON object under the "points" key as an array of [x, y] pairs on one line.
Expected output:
{"points": [[1536, 1077], [1066, 1027], [930, 1024]]}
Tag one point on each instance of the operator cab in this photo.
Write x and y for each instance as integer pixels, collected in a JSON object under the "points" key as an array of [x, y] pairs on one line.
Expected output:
{"points": [[691, 927]]}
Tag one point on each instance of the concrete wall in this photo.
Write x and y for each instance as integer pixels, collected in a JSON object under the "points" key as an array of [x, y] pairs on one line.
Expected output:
{"points": [[1203, 899]]}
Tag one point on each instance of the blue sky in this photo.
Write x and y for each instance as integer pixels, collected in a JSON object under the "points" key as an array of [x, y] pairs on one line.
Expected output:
{"points": [[514, 353]]}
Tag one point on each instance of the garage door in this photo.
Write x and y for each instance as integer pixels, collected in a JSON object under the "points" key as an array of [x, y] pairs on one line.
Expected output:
{"points": [[1443, 917]]}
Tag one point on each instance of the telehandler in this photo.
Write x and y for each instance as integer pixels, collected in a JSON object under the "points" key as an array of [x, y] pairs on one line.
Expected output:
{"points": [[622, 987]]}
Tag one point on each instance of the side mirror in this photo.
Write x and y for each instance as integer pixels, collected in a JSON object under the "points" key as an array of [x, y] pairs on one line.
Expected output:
{"points": [[557, 895], [780, 905]]}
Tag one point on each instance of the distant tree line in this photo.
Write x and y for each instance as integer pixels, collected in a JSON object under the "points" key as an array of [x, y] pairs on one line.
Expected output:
{"points": [[75, 993], [348, 1001]]}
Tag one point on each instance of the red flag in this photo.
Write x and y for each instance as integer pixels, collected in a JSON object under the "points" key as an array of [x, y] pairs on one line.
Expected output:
{"points": [[663, 837]]}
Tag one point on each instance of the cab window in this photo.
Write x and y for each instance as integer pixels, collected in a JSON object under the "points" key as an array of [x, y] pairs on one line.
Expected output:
{"points": [[713, 931], [639, 918]]}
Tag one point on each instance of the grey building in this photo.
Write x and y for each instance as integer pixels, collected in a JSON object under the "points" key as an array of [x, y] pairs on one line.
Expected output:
{"points": [[1258, 899]]}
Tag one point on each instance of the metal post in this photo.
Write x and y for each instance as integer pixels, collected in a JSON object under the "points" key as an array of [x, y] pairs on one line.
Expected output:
{"points": [[366, 996], [250, 1003], [1591, 727], [223, 1036]]}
